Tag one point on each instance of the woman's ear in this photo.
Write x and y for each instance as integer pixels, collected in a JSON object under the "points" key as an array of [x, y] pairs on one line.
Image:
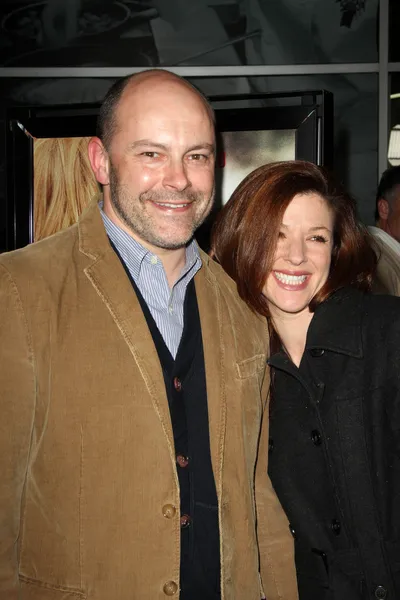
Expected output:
{"points": [[98, 157]]}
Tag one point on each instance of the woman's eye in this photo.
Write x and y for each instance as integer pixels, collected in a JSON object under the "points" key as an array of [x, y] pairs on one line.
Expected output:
{"points": [[281, 235], [319, 238]]}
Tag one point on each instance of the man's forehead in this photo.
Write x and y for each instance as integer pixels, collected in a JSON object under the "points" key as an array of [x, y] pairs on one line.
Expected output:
{"points": [[152, 116], [161, 94]]}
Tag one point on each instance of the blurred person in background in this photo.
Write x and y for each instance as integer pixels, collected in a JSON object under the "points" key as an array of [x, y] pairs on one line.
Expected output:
{"points": [[386, 233]]}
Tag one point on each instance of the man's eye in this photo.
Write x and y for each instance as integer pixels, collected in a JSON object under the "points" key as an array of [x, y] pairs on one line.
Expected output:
{"points": [[198, 157], [150, 154]]}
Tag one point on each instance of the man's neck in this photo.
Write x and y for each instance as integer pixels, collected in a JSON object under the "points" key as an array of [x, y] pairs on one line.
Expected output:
{"points": [[173, 260], [382, 225]]}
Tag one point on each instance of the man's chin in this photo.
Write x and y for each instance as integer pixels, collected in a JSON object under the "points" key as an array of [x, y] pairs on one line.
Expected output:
{"points": [[170, 241], [172, 244]]}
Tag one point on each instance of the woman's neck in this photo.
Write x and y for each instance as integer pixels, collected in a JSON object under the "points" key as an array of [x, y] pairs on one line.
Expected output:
{"points": [[292, 330]]}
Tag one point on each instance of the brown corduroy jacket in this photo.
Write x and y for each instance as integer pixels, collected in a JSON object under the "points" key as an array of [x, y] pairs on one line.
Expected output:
{"points": [[87, 458]]}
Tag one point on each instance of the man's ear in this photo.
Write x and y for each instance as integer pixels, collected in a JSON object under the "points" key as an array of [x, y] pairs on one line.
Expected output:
{"points": [[383, 209], [99, 160]]}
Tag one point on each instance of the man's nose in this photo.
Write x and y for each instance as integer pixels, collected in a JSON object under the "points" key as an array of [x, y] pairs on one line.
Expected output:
{"points": [[175, 176]]}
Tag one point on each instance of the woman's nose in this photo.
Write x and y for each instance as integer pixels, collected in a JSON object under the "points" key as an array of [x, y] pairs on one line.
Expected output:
{"points": [[296, 251]]}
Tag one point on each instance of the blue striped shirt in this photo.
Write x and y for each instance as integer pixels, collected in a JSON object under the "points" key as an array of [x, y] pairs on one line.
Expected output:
{"points": [[147, 271]]}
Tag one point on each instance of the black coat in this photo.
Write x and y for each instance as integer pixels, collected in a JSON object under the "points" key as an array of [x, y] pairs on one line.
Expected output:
{"points": [[335, 449]]}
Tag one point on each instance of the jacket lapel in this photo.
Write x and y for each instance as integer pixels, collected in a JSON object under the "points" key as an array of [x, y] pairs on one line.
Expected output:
{"points": [[107, 276], [210, 309]]}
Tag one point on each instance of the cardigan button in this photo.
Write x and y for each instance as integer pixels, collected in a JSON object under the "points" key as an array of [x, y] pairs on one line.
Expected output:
{"points": [[170, 588], [182, 461], [169, 511], [381, 592], [177, 384], [317, 352], [185, 521]]}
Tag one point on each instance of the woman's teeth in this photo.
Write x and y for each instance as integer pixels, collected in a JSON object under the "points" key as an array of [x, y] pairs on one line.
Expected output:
{"points": [[290, 279]]}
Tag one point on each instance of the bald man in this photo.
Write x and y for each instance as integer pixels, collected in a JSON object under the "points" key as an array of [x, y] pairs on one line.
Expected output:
{"points": [[133, 384]]}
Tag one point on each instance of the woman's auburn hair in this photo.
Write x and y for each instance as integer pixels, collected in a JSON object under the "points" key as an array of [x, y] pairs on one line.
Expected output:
{"points": [[245, 233]]}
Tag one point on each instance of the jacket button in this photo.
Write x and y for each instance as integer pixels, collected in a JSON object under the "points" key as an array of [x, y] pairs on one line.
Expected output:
{"points": [[336, 526], [185, 521], [381, 592], [177, 384], [169, 511], [317, 352], [182, 461], [170, 588], [316, 437], [270, 445]]}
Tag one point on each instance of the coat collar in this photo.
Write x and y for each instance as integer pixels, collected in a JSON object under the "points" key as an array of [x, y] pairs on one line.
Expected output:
{"points": [[93, 239], [336, 326]]}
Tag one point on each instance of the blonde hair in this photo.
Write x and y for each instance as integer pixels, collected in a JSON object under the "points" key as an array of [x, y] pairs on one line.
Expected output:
{"points": [[64, 183]]}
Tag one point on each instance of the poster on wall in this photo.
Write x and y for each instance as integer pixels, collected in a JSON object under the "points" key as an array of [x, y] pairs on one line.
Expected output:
{"points": [[63, 183]]}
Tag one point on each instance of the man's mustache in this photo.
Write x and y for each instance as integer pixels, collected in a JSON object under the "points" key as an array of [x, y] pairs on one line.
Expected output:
{"points": [[172, 197]]}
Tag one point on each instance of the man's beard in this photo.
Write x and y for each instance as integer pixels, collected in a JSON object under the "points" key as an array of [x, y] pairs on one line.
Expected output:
{"points": [[131, 211]]}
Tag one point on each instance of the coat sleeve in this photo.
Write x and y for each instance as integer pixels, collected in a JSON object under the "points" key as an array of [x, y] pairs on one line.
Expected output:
{"points": [[275, 541], [17, 412]]}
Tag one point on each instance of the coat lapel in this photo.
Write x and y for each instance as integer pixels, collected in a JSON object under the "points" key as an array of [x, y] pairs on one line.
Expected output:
{"points": [[111, 283], [209, 302]]}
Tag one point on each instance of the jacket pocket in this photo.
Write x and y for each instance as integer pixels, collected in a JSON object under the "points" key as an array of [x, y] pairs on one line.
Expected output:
{"points": [[33, 589], [251, 366], [245, 391]]}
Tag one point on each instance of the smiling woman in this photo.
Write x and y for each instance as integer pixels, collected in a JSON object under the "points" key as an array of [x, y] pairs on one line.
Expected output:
{"points": [[290, 238], [302, 258], [291, 207]]}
